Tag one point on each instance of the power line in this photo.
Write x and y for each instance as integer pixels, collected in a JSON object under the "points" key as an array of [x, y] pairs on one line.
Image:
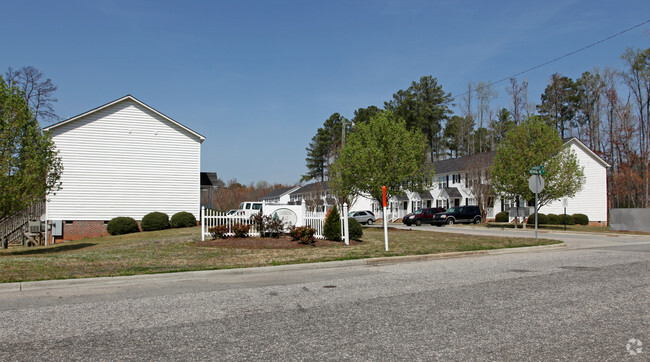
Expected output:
{"points": [[564, 56]]}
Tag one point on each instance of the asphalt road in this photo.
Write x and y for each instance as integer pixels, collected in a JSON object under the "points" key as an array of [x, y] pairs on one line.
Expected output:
{"points": [[583, 302]]}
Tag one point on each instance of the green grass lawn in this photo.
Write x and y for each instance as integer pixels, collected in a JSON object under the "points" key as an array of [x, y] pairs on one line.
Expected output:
{"points": [[580, 228], [180, 250]]}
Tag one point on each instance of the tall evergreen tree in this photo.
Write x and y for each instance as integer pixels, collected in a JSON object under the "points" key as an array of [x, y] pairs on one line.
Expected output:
{"points": [[560, 103], [424, 106], [324, 147]]}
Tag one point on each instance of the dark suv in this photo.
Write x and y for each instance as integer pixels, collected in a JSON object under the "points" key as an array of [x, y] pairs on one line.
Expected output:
{"points": [[421, 216], [458, 214]]}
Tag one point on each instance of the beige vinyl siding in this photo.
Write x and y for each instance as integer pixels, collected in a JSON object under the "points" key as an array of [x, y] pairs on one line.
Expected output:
{"points": [[592, 199], [125, 160]]}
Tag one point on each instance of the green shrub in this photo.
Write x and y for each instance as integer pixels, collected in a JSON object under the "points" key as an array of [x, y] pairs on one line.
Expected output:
{"points": [[122, 225], [554, 219], [183, 219], [332, 228], [542, 219], [303, 234], [581, 219], [501, 217], [219, 231], [155, 221], [569, 220], [355, 229]]}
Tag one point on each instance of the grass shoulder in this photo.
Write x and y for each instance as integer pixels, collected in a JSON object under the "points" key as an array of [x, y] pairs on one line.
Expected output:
{"points": [[175, 250]]}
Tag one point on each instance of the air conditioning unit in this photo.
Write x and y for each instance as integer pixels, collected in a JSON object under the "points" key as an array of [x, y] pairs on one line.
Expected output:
{"points": [[34, 226]]}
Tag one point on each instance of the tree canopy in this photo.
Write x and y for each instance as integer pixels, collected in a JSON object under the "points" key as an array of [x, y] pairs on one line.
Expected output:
{"points": [[37, 92], [535, 143], [29, 163], [424, 106], [381, 152], [323, 148]]}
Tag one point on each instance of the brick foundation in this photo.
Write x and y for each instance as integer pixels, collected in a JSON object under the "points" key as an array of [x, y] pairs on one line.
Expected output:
{"points": [[79, 229]]}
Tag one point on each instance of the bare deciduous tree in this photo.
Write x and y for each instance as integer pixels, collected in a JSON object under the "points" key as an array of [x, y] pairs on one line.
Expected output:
{"points": [[37, 91]]}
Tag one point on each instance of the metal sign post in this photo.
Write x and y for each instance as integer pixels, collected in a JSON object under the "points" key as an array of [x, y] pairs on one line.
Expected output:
{"points": [[536, 185], [565, 203], [383, 191]]}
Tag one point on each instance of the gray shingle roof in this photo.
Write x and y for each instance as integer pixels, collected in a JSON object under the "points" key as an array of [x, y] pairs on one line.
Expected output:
{"points": [[312, 187], [277, 192], [461, 164], [453, 192]]}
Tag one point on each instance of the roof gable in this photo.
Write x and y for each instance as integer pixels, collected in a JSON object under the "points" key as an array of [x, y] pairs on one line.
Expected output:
{"points": [[586, 150], [128, 97]]}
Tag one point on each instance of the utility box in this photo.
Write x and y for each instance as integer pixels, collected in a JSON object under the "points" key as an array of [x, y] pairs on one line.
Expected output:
{"points": [[57, 227], [34, 226]]}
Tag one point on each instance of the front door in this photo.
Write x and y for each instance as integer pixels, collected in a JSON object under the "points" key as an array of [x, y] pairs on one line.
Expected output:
{"points": [[456, 202]]}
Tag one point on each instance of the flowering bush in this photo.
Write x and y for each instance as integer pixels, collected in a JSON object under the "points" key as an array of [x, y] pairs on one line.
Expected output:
{"points": [[267, 224], [240, 230], [219, 231], [303, 234]]}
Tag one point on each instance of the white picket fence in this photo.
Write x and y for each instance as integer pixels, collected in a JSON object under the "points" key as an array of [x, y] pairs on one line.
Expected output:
{"points": [[316, 220]]}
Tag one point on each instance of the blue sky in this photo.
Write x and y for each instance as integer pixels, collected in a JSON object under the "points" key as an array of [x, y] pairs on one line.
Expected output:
{"points": [[258, 78]]}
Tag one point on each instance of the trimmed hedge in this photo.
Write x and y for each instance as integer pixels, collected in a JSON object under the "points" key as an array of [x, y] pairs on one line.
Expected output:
{"points": [[542, 219], [183, 219], [501, 217], [559, 219], [569, 220], [155, 221], [581, 219], [355, 229], [554, 219], [122, 225], [332, 228]]}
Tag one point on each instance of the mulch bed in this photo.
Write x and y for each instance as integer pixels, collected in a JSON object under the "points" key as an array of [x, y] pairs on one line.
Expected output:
{"points": [[283, 242]]}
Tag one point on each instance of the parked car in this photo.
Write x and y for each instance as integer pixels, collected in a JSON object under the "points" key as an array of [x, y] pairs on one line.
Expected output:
{"points": [[363, 217], [458, 214], [421, 216]]}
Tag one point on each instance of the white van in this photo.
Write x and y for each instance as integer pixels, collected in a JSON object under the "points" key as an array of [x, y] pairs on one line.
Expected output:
{"points": [[250, 207]]}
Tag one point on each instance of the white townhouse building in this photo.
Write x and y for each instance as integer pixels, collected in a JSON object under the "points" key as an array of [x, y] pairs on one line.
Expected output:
{"points": [[450, 188], [123, 158]]}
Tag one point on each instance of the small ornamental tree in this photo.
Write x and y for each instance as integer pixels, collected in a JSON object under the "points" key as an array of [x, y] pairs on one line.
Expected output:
{"points": [[381, 152], [332, 228], [533, 143]]}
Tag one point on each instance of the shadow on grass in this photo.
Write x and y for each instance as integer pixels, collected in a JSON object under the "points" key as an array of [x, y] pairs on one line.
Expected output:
{"points": [[52, 249]]}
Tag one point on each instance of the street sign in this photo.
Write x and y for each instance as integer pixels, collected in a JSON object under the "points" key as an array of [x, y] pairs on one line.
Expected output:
{"points": [[537, 170], [565, 202], [536, 183]]}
